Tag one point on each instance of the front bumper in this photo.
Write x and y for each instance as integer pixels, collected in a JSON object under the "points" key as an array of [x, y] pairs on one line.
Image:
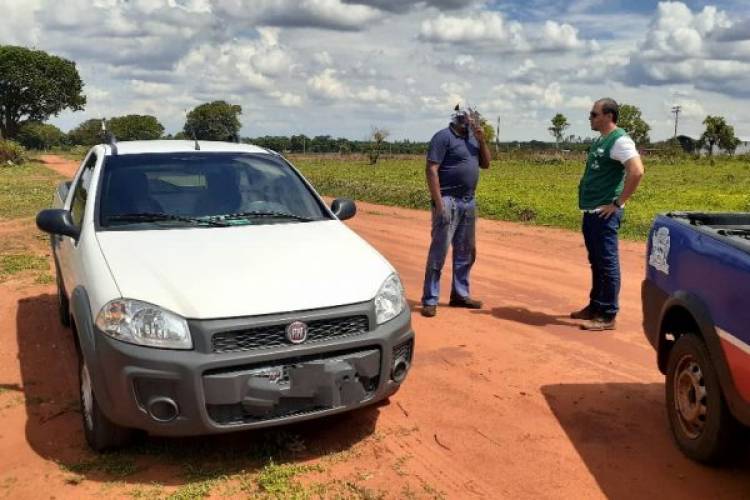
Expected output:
{"points": [[201, 391]]}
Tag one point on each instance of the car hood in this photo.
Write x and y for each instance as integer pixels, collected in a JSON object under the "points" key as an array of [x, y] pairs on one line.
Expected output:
{"points": [[203, 273]]}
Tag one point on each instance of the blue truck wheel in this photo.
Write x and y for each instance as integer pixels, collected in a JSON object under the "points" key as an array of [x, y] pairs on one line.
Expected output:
{"points": [[699, 417]]}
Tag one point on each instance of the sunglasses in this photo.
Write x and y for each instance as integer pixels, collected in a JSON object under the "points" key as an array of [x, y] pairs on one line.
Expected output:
{"points": [[593, 114]]}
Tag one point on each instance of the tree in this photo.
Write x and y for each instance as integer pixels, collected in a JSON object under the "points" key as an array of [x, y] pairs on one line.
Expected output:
{"points": [[489, 131], [34, 86], [630, 120], [87, 133], [377, 137], [214, 121], [299, 143], [718, 133], [559, 124], [35, 135], [135, 127]]}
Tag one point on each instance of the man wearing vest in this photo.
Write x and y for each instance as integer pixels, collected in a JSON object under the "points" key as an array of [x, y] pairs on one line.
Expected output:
{"points": [[453, 160], [613, 172]]}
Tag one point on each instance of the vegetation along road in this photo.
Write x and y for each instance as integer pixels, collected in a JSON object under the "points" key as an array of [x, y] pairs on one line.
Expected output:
{"points": [[505, 402]]}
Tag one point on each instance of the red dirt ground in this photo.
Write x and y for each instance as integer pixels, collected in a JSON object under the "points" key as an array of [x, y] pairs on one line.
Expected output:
{"points": [[511, 401]]}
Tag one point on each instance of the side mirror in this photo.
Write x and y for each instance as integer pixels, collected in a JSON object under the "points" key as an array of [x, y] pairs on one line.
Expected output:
{"points": [[343, 208], [57, 221]]}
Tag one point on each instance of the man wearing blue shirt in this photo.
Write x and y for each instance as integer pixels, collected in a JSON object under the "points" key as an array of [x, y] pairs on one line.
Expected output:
{"points": [[454, 158]]}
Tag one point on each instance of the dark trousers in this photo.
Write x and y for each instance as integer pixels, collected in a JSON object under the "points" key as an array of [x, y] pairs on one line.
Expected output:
{"points": [[455, 226], [600, 235]]}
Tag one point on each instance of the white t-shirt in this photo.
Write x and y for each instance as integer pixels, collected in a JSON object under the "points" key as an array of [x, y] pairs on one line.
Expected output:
{"points": [[623, 149]]}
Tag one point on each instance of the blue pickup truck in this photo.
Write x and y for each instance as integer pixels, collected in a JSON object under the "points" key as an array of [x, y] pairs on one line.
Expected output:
{"points": [[696, 314]]}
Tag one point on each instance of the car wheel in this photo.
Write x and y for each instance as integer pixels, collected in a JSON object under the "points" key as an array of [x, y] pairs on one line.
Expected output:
{"points": [[63, 306], [101, 433], [699, 417]]}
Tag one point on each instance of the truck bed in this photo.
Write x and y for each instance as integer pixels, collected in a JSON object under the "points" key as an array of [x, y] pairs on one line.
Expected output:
{"points": [[734, 227]]}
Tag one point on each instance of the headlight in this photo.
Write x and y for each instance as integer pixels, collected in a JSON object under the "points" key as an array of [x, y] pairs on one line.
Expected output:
{"points": [[390, 300], [144, 324]]}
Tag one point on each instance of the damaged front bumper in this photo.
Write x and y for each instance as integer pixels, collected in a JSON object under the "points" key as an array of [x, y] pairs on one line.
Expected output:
{"points": [[234, 382]]}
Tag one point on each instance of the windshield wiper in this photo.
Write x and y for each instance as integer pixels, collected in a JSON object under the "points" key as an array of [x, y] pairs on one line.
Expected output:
{"points": [[158, 216], [251, 214]]}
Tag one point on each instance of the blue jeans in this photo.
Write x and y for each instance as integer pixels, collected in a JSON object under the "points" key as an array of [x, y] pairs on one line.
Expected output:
{"points": [[455, 225], [600, 236]]}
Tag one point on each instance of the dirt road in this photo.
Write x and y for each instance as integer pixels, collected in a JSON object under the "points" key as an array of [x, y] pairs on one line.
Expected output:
{"points": [[511, 401]]}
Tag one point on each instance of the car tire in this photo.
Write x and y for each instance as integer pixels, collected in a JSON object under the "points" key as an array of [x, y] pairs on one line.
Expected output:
{"points": [[701, 422], [63, 305], [101, 433]]}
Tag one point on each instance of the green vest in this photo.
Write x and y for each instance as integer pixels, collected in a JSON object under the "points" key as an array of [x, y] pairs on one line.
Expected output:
{"points": [[604, 178]]}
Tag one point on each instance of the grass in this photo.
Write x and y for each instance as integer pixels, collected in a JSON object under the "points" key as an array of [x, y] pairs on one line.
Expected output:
{"points": [[25, 189], [113, 464], [543, 191], [16, 263]]}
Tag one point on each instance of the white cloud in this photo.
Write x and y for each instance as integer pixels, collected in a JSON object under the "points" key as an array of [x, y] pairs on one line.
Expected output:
{"points": [[490, 29], [325, 85], [479, 28], [526, 95], [148, 89], [287, 99], [524, 69], [689, 108], [704, 48], [466, 62], [284, 59], [455, 87], [580, 102], [323, 58]]}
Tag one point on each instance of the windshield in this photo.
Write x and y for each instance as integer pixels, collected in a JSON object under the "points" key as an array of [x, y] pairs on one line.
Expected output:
{"points": [[211, 189]]}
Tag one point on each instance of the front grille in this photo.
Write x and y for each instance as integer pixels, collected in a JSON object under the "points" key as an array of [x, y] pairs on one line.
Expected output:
{"points": [[264, 337]]}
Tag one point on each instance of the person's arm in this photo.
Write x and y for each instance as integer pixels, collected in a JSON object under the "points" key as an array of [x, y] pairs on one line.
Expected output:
{"points": [[433, 184], [633, 174], [484, 150], [435, 156]]}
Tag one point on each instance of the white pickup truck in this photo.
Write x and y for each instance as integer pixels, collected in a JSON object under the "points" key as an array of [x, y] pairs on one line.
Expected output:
{"points": [[210, 289]]}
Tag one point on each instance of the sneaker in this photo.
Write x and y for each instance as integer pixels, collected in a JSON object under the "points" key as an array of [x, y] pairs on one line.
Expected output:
{"points": [[598, 324], [466, 302], [585, 313], [429, 311]]}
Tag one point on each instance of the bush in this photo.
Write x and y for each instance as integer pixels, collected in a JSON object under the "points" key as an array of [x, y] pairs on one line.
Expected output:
{"points": [[11, 153], [41, 136]]}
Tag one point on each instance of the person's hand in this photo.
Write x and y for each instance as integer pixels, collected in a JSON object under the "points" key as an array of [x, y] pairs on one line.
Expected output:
{"points": [[478, 132], [442, 213], [606, 211]]}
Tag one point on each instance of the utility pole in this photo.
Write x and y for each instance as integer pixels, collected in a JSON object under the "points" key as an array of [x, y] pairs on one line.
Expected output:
{"points": [[676, 110], [497, 136]]}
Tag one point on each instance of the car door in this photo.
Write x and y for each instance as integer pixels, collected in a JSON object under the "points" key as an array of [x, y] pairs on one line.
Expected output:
{"points": [[76, 203]]}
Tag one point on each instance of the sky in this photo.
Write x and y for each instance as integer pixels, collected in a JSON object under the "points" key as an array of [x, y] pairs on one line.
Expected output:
{"points": [[342, 67]]}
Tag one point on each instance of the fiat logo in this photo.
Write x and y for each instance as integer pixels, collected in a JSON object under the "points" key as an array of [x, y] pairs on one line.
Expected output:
{"points": [[296, 333]]}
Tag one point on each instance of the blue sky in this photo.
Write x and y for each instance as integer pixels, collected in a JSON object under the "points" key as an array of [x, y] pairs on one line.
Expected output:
{"points": [[341, 67]]}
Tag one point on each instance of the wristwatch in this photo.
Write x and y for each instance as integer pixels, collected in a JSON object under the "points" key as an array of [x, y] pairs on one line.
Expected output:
{"points": [[616, 202]]}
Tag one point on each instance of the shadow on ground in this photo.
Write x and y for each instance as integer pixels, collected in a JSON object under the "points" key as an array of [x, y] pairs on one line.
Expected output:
{"points": [[48, 362], [621, 433], [527, 316]]}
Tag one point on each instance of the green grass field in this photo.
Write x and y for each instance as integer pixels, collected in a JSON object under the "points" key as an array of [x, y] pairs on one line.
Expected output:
{"points": [[542, 191], [26, 189]]}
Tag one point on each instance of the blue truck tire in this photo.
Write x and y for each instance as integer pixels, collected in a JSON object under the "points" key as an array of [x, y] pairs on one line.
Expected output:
{"points": [[702, 425]]}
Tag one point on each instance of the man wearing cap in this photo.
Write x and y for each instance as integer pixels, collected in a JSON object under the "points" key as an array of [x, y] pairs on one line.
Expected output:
{"points": [[454, 158], [613, 172]]}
